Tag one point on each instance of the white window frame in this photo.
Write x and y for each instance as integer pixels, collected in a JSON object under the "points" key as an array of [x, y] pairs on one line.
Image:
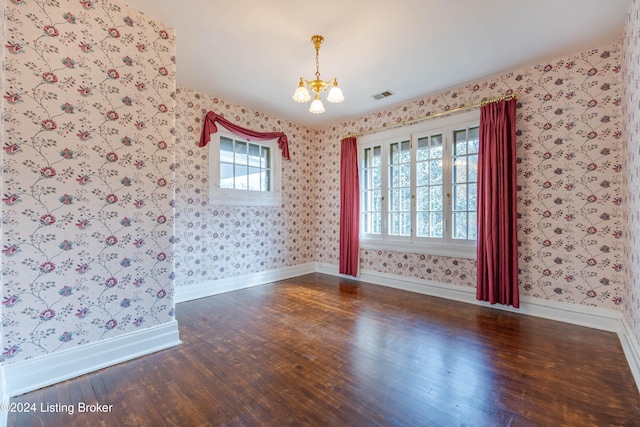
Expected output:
{"points": [[236, 197], [446, 246]]}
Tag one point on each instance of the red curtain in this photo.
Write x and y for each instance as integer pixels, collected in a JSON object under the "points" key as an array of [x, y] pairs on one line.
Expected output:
{"points": [[497, 255], [210, 127], [349, 207]]}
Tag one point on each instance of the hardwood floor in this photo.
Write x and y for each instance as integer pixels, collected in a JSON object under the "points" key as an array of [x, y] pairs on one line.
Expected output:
{"points": [[319, 350]]}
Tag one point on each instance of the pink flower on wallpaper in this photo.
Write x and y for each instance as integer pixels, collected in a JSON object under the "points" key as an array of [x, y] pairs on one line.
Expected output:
{"points": [[51, 31], [111, 282], [49, 77], [111, 157], [10, 250], [110, 324], [111, 198], [12, 98], [85, 47], [10, 301], [48, 124], [10, 148], [111, 240], [113, 32], [82, 224], [13, 47], [47, 314], [47, 172], [10, 199], [112, 115], [141, 47], [47, 267], [163, 34], [84, 91], [47, 219]]}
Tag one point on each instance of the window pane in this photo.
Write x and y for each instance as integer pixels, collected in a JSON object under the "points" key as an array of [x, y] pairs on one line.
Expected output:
{"points": [[474, 140], [377, 178], [377, 156], [254, 155], [405, 199], [241, 177], [394, 178], [254, 179], [460, 169], [423, 224], [405, 156], [265, 180], [367, 157], [266, 157], [473, 168], [395, 153], [460, 142], [460, 197], [394, 200], [435, 199], [377, 223], [241, 153], [226, 175], [377, 200], [422, 172], [473, 224], [473, 197], [226, 150], [460, 225], [422, 199], [423, 149], [405, 175], [405, 223], [394, 224], [435, 172], [436, 224], [436, 147]]}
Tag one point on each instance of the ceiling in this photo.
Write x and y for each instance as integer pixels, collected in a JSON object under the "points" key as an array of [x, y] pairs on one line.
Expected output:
{"points": [[253, 53]]}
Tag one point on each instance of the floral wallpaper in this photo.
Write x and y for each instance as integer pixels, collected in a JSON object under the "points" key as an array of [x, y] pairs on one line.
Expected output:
{"points": [[87, 197], [631, 81], [569, 146], [216, 242]]}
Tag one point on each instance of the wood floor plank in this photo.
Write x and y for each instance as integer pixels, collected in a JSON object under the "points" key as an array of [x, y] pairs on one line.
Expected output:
{"points": [[319, 350]]}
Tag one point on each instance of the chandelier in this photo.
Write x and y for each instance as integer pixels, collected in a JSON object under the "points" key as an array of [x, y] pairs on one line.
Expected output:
{"points": [[317, 86]]}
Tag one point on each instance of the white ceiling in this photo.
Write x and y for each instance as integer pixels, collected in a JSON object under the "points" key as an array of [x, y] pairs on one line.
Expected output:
{"points": [[253, 53]]}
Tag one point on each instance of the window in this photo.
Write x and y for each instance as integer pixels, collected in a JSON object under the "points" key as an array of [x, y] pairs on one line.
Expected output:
{"points": [[242, 172], [419, 187]]}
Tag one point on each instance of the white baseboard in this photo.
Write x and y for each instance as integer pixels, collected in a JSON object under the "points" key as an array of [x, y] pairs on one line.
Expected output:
{"points": [[576, 314], [214, 287], [31, 374]]}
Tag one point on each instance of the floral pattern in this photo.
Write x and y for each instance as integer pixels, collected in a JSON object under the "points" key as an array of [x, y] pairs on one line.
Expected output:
{"points": [[631, 82], [217, 242], [569, 143], [88, 174]]}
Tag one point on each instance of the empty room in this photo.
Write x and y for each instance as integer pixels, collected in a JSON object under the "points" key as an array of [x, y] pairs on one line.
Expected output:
{"points": [[411, 213]]}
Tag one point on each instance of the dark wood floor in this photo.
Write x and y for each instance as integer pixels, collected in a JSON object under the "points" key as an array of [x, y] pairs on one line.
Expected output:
{"points": [[318, 350]]}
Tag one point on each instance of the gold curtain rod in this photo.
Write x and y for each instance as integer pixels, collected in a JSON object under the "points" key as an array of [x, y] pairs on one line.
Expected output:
{"points": [[482, 103]]}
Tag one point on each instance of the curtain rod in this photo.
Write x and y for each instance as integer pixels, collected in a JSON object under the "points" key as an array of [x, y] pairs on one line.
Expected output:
{"points": [[482, 103]]}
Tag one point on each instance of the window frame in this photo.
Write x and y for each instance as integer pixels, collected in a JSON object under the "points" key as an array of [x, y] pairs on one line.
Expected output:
{"points": [[219, 196], [446, 246]]}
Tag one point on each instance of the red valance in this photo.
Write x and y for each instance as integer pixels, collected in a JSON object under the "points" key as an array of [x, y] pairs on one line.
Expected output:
{"points": [[210, 127]]}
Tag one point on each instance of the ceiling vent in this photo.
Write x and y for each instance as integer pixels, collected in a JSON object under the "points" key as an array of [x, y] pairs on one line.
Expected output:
{"points": [[382, 95]]}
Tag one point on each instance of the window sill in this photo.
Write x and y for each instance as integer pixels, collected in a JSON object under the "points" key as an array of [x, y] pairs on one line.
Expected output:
{"points": [[420, 248], [245, 198]]}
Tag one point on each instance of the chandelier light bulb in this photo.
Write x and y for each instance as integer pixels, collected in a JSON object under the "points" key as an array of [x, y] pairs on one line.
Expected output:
{"points": [[316, 106], [302, 93], [335, 94]]}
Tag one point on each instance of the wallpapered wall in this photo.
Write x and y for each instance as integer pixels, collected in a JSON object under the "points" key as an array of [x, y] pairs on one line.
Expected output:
{"points": [[88, 174], [632, 165], [218, 242], [569, 178]]}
